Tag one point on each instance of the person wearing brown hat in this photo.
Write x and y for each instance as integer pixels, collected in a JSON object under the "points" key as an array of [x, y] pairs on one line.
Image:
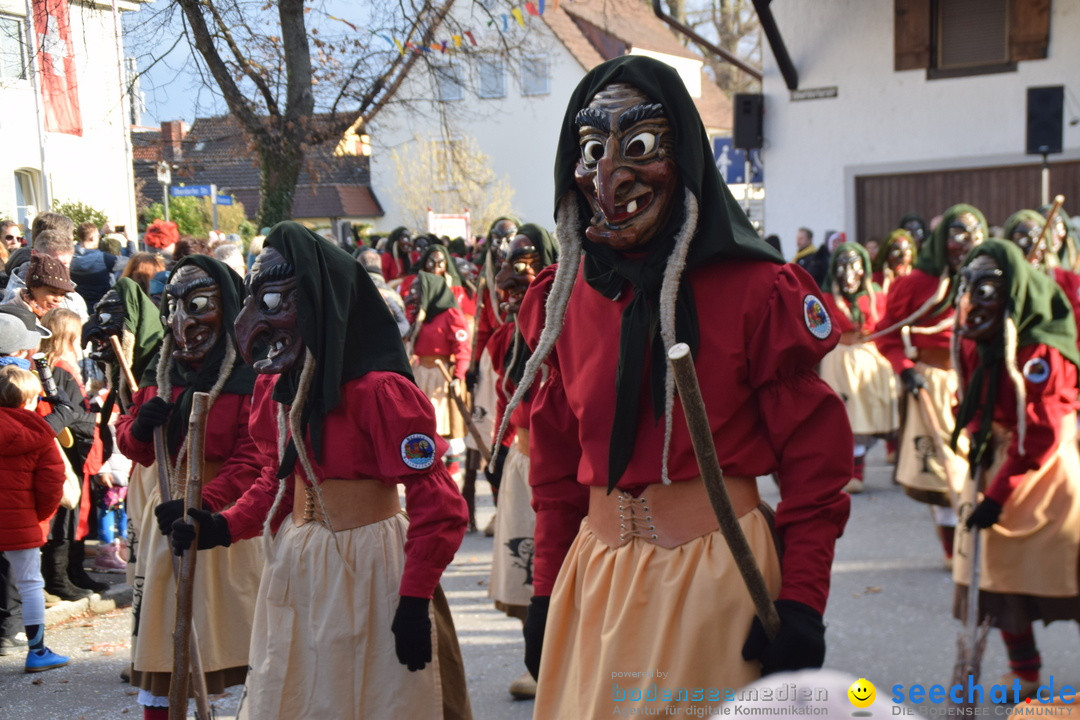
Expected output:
{"points": [[47, 282]]}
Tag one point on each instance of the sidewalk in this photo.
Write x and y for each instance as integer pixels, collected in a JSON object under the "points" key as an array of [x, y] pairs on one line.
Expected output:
{"points": [[118, 595]]}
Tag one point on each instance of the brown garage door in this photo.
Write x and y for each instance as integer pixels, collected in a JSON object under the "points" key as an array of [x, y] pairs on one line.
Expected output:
{"points": [[881, 200]]}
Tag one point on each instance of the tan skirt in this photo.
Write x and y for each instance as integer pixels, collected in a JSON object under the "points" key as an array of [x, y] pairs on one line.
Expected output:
{"points": [[866, 383], [322, 645], [433, 384], [141, 481], [1029, 559], [918, 469], [483, 403], [515, 527], [645, 619], [226, 580]]}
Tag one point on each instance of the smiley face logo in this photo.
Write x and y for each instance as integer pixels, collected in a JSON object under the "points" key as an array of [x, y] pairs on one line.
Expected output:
{"points": [[862, 693]]}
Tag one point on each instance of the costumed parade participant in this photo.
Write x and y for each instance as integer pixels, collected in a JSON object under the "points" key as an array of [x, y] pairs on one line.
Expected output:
{"points": [[345, 625], [531, 251], [1025, 229], [895, 259], [437, 260], [201, 300], [397, 259], [854, 369], [916, 227], [1063, 240], [914, 337], [665, 245], [1018, 363], [439, 336]]}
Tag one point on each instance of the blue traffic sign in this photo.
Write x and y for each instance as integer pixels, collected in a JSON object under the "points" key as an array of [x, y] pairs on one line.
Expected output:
{"points": [[731, 162], [224, 199], [190, 190]]}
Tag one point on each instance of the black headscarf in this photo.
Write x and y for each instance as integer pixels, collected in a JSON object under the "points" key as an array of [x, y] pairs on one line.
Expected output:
{"points": [[913, 217], [1043, 316], [392, 244], [722, 232], [548, 250], [343, 322], [201, 379]]}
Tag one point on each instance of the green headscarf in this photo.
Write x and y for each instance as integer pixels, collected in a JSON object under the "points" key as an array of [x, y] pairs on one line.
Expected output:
{"points": [[141, 319], [1070, 248], [1018, 217], [722, 231], [1043, 316], [201, 379], [883, 254], [436, 297], [830, 278], [344, 322], [452, 271], [934, 253]]}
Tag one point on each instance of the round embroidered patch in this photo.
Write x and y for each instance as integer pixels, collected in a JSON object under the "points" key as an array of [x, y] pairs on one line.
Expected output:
{"points": [[418, 451], [461, 335], [816, 317], [1036, 370]]}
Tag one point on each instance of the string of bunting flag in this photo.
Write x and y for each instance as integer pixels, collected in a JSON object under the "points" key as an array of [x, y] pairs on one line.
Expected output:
{"points": [[456, 42]]}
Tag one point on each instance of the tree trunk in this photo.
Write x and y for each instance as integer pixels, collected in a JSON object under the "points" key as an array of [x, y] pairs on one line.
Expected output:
{"points": [[279, 168]]}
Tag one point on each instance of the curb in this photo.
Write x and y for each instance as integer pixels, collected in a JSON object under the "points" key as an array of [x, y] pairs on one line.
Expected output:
{"points": [[117, 596]]}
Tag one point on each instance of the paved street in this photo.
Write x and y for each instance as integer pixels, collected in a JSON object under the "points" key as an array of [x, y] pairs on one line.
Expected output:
{"points": [[888, 621]]}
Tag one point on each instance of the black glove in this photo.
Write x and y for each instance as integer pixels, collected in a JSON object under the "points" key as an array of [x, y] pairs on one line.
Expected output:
{"points": [[913, 380], [472, 376], [153, 413], [213, 531], [535, 622], [63, 413], [494, 469], [985, 514], [412, 632], [167, 513], [799, 644]]}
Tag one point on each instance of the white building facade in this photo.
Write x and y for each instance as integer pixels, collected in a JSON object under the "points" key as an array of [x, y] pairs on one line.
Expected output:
{"points": [[39, 166], [947, 123]]}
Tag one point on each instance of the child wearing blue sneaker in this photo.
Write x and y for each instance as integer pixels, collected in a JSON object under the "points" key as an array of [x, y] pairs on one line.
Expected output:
{"points": [[31, 484]]}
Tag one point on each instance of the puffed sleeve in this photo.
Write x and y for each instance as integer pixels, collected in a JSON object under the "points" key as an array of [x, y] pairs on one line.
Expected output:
{"points": [[247, 516], [230, 417], [409, 451], [135, 450], [460, 347], [808, 430], [1049, 385], [559, 500]]}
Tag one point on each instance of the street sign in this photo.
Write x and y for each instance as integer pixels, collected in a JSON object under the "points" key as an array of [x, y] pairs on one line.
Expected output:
{"points": [[164, 173], [191, 190], [224, 199], [731, 162]]}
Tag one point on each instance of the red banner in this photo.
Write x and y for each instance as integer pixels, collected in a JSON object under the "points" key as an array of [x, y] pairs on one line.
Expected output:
{"points": [[56, 67]]}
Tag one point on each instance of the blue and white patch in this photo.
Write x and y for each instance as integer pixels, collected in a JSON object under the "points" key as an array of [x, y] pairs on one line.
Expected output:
{"points": [[1036, 370], [461, 335], [418, 451], [816, 317]]}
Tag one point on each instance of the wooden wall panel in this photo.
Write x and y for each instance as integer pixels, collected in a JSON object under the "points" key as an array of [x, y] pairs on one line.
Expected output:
{"points": [[881, 200]]}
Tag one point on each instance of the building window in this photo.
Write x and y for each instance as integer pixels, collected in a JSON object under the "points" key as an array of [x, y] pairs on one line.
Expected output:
{"points": [[951, 38], [971, 34], [535, 75], [12, 49], [26, 196], [448, 82], [492, 78]]}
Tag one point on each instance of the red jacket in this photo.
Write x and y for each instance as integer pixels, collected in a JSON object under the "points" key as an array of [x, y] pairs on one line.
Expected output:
{"points": [[31, 479], [365, 438], [762, 331], [906, 295], [227, 442], [446, 334]]}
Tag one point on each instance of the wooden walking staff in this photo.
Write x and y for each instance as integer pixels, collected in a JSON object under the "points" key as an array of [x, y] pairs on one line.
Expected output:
{"points": [[1059, 200], [161, 458], [971, 641], [473, 430], [697, 421], [182, 636]]}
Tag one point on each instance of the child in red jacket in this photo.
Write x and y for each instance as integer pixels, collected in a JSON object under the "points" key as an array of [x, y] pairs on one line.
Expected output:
{"points": [[31, 484]]}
